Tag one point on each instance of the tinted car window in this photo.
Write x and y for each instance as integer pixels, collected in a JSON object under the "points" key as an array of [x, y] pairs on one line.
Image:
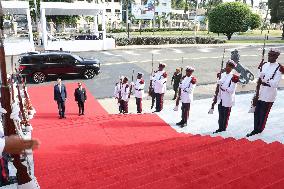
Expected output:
{"points": [[54, 59], [67, 59], [35, 59]]}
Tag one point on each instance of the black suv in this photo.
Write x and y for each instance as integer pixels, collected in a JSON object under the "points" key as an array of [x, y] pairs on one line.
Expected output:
{"points": [[37, 66]]}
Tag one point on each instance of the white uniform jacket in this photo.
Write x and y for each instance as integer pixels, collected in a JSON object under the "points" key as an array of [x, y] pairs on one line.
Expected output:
{"points": [[139, 88], [117, 89], [125, 89], [227, 90], [187, 86], [159, 82], [269, 74]]}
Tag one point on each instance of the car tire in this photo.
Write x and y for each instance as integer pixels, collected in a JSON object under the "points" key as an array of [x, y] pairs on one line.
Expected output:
{"points": [[38, 77], [89, 73]]}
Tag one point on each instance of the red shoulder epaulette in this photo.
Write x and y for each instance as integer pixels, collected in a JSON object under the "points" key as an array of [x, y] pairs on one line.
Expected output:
{"points": [[165, 75], [193, 80], [281, 69], [235, 78], [141, 81]]}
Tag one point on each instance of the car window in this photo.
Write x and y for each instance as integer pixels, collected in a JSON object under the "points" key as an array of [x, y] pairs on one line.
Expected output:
{"points": [[77, 57], [67, 59], [54, 59], [35, 59]]}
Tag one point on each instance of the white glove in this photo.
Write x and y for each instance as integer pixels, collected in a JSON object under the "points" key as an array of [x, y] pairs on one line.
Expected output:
{"points": [[132, 83], [211, 111], [265, 80], [118, 104], [261, 75], [176, 108], [149, 97], [252, 109]]}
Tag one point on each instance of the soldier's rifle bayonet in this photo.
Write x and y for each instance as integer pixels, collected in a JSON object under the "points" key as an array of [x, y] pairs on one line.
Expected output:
{"points": [[256, 94], [217, 86]]}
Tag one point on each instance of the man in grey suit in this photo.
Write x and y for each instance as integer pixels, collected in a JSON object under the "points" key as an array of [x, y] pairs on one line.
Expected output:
{"points": [[60, 95]]}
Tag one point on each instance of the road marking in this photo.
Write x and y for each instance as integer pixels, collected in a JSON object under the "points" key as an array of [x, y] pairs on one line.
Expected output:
{"points": [[118, 63], [177, 51], [131, 53], [155, 51], [205, 50], [172, 59], [107, 53]]}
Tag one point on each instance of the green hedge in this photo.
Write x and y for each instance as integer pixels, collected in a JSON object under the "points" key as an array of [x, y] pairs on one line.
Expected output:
{"points": [[121, 30], [149, 40]]}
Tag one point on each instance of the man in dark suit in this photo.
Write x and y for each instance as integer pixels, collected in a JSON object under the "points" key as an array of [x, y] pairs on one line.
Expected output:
{"points": [[60, 95], [80, 98]]}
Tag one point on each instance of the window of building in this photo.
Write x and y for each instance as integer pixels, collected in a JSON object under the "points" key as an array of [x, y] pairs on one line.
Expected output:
{"points": [[117, 11], [108, 10], [164, 4], [117, 1]]}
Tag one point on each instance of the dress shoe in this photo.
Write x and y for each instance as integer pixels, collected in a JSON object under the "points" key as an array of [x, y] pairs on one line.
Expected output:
{"points": [[183, 125], [180, 123], [218, 131], [173, 98], [252, 133]]}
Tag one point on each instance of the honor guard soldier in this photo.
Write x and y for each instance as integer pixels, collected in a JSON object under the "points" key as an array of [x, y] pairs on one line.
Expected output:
{"points": [[270, 76], [117, 93], [226, 96], [176, 80], [159, 84], [186, 87], [124, 93], [139, 91]]}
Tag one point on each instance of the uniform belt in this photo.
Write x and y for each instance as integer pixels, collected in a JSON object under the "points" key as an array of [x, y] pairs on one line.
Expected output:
{"points": [[265, 84]]}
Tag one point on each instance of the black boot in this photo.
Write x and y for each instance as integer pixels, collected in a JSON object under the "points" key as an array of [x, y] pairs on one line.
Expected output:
{"points": [[252, 133], [217, 131], [180, 123]]}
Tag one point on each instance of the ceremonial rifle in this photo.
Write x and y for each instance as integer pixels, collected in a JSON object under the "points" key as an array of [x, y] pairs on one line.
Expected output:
{"points": [[256, 94], [179, 90], [131, 86], [27, 103], [217, 87], [151, 90], [9, 126], [24, 121]]}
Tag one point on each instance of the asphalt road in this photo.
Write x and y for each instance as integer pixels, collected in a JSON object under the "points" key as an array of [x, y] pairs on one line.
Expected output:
{"points": [[205, 60]]}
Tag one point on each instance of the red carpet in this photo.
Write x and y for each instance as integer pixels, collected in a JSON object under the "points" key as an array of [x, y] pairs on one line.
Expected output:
{"points": [[141, 151]]}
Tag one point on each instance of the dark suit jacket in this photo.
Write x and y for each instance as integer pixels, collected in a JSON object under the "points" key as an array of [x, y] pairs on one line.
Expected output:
{"points": [[80, 95], [60, 96]]}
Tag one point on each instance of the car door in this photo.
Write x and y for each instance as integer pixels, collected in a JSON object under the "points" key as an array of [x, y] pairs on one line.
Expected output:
{"points": [[69, 64], [54, 65]]}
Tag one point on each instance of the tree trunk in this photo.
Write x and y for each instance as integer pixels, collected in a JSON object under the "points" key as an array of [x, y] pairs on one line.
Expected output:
{"points": [[229, 35]]}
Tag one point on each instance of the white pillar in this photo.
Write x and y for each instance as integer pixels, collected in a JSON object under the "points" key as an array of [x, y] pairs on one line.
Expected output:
{"points": [[43, 25], [30, 28], [104, 27], [96, 24]]}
